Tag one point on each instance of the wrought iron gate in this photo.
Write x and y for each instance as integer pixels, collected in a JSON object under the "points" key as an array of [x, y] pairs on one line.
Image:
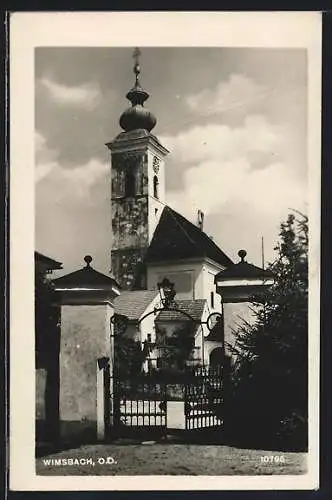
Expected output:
{"points": [[138, 405], [138, 401], [204, 399]]}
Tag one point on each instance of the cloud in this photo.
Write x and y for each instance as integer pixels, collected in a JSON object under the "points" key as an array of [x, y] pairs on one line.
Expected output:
{"points": [[73, 215], [44, 158], [214, 142], [70, 185], [238, 91], [86, 95], [75, 182], [210, 186], [238, 174]]}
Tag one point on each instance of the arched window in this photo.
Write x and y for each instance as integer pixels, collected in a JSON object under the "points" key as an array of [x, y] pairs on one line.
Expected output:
{"points": [[216, 357], [130, 184], [155, 186]]}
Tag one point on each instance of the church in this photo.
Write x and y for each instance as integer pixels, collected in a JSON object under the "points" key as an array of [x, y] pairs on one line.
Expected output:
{"points": [[151, 243]]}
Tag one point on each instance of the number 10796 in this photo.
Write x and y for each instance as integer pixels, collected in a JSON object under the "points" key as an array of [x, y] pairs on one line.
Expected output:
{"points": [[275, 459]]}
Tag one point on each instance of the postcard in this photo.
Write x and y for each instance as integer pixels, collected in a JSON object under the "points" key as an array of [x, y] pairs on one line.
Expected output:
{"points": [[164, 250]]}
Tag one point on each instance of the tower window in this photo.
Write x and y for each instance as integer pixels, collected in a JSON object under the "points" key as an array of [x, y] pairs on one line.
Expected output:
{"points": [[130, 184], [212, 300], [155, 186]]}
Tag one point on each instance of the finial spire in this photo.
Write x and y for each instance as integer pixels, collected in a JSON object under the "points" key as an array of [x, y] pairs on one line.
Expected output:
{"points": [[242, 254], [137, 117], [137, 68], [88, 259]]}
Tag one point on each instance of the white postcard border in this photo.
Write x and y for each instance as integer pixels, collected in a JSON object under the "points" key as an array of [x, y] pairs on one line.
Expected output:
{"points": [[241, 29]]}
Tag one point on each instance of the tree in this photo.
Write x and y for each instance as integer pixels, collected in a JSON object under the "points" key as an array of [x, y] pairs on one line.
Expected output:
{"points": [[178, 347], [46, 318], [47, 346], [128, 356], [269, 395]]}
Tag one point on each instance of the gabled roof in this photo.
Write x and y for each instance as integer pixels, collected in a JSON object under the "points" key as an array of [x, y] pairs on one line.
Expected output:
{"points": [[177, 238], [194, 308], [86, 277], [133, 304], [243, 270], [47, 261]]}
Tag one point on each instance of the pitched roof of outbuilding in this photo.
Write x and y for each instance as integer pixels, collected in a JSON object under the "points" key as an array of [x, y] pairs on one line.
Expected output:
{"points": [[133, 303], [243, 270], [85, 277], [177, 238], [194, 308], [47, 261]]}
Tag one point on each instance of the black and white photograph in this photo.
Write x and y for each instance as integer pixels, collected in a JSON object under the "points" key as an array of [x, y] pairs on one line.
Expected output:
{"points": [[172, 266]]}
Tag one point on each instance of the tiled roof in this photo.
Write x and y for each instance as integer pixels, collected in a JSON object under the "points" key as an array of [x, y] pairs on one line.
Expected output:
{"points": [[194, 308], [243, 270], [86, 277], [177, 238], [133, 304], [47, 261]]}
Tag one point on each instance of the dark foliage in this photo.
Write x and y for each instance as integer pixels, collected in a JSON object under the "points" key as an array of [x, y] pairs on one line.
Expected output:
{"points": [[46, 318], [270, 376], [128, 357], [177, 348]]}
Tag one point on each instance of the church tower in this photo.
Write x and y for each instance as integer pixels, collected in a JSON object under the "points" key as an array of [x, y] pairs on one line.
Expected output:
{"points": [[138, 187]]}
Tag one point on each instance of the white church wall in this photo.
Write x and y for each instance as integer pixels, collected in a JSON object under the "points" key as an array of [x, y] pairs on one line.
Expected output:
{"points": [[147, 320], [155, 208], [186, 276], [156, 168], [147, 327], [208, 286]]}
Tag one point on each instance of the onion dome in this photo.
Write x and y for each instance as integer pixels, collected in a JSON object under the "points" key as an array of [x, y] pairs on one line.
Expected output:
{"points": [[137, 117]]}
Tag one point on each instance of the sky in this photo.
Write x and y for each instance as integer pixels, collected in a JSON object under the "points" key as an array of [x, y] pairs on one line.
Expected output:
{"points": [[234, 120]]}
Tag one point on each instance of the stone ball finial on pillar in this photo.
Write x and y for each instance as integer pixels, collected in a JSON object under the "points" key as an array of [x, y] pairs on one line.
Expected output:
{"points": [[88, 259], [242, 254]]}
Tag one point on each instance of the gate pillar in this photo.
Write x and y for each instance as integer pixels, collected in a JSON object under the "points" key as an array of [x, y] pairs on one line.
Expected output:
{"points": [[237, 285], [86, 350]]}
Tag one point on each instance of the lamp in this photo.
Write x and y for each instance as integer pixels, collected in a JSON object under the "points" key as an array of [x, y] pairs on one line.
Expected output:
{"points": [[167, 292]]}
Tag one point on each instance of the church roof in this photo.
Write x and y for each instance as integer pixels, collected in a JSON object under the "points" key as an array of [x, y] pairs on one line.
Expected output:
{"points": [[85, 277], [194, 308], [177, 238], [133, 303]]}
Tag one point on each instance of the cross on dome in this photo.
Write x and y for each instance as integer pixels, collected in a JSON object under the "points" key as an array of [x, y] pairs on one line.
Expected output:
{"points": [[137, 117], [136, 54]]}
